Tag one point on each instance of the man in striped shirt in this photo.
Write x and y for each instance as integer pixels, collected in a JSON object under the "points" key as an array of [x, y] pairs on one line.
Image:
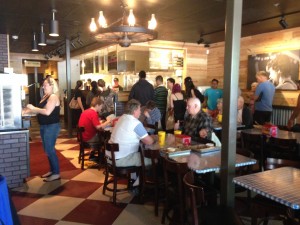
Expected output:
{"points": [[160, 98]]}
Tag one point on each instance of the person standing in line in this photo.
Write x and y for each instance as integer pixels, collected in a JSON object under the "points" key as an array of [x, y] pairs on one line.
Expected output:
{"points": [[211, 97], [295, 115], [48, 117], [160, 98], [178, 104], [117, 87], [78, 95], [263, 98], [108, 97], [191, 90], [142, 90], [252, 103], [94, 92], [170, 84]]}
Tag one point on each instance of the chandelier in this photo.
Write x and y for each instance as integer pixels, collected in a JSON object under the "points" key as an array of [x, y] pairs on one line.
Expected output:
{"points": [[123, 34]]}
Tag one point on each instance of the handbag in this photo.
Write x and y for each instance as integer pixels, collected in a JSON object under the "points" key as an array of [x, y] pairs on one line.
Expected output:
{"points": [[74, 104]]}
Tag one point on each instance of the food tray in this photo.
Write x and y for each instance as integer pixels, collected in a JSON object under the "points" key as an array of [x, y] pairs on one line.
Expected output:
{"points": [[206, 150]]}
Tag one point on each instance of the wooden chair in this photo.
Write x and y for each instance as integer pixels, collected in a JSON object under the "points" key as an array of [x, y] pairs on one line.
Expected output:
{"points": [[117, 173], [151, 175], [282, 148], [254, 143], [265, 208], [87, 145], [201, 213], [173, 174]]}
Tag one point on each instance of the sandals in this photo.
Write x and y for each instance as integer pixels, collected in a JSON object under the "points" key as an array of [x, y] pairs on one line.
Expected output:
{"points": [[52, 178], [46, 175]]}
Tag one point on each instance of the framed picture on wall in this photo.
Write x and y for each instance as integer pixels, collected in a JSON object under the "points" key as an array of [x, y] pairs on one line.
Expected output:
{"points": [[283, 68]]}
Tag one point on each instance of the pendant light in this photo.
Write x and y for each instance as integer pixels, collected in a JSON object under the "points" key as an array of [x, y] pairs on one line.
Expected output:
{"points": [[42, 40], [34, 44], [54, 29]]}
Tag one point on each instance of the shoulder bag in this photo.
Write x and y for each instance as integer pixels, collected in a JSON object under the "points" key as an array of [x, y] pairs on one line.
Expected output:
{"points": [[74, 104]]}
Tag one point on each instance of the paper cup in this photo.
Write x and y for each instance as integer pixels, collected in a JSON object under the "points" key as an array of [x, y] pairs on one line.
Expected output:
{"points": [[177, 132], [161, 137], [219, 118]]}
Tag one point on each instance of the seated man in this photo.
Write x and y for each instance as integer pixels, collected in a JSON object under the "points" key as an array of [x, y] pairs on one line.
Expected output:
{"points": [[89, 119], [128, 133], [244, 115], [197, 123]]}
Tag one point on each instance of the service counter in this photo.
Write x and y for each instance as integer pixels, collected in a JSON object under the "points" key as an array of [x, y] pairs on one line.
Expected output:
{"points": [[14, 156]]}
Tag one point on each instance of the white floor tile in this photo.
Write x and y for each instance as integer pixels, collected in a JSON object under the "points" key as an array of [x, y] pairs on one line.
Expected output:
{"points": [[51, 207], [90, 175]]}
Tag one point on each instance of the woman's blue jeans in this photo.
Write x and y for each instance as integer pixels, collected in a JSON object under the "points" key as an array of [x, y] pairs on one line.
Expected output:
{"points": [[49, 134]]}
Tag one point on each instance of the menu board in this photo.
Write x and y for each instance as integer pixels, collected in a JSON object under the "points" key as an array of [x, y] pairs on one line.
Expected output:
{"points": [[166, 59]]}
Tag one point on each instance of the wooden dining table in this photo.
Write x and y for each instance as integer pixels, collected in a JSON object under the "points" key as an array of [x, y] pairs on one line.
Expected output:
{"points": [[280, 185], [200, 162], [283, 134]]}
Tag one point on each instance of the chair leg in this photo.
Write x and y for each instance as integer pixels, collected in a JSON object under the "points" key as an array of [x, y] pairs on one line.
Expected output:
{"points": [[115, 190], [156, 200], [105, 181]]}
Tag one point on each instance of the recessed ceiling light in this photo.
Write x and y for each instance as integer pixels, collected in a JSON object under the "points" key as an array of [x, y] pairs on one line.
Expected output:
{"points": [[15, 37]]}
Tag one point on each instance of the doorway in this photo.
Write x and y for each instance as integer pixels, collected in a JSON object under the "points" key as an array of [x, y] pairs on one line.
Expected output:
{"points": [[35, 89]]}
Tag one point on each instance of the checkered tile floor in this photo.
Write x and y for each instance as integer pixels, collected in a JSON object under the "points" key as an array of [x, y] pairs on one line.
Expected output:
{"points": [[77, 198]]}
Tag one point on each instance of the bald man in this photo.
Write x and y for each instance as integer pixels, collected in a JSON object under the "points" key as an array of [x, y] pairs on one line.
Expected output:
{"points": [[197, 124]]}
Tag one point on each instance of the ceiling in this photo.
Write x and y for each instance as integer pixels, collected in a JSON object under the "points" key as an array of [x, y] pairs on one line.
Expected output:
{"points": [[178, 20]]}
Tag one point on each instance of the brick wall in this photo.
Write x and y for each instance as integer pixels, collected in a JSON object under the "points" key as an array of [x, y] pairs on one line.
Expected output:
{"points": [[3, 52], [14, 157]]}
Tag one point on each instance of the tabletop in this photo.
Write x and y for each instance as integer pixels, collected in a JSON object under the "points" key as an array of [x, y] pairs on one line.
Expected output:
{"points": [[284, 134], [209, 162], [281, 185], [218, 126]]}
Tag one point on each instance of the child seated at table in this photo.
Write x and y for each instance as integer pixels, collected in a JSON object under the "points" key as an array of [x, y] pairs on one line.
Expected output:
{"points": [[150, 115]]}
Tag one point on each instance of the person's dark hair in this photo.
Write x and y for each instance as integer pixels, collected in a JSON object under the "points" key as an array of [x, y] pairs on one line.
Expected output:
{"points": [[215, 80], [171, 80], [96, 101], [189, 86], [116, 79], [131, 106], [176, 88], [142, 74], [160, 78], [101, 83], [78, 84], [94, 87], [150, 105]]}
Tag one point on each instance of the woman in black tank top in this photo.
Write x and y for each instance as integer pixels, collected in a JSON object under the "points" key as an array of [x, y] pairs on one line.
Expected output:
{"points": [[178, 103], [48, 117]]}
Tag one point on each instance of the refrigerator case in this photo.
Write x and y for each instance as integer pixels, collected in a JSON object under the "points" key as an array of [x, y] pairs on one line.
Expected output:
{"points": [[10, 102]]}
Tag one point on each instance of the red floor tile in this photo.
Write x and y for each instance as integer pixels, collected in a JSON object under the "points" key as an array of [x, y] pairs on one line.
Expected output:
{"points": [[69, 174], [29, 220], [23, 199], [78, 189], [95, 212]]}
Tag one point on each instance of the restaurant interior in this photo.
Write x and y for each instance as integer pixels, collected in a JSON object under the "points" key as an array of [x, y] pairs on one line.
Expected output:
{"points": [[248, 180]]}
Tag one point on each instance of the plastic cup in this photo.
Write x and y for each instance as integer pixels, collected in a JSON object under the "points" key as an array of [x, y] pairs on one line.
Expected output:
{"points": [[219, 118], [161, 137], [177, 132]]}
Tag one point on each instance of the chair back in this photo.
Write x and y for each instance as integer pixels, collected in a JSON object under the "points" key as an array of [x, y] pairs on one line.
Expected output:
{"points": [[80, 130], [111, 148], [272, 163], [154, 156], [194, 196], [254, 143], [282, 148]]}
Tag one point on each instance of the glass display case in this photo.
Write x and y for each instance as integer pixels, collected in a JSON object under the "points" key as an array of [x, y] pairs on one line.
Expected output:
{"points": [[11, 100]]}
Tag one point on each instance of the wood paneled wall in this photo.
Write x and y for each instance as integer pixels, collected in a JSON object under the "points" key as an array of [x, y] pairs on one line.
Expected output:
{"points": [[278, 41]]}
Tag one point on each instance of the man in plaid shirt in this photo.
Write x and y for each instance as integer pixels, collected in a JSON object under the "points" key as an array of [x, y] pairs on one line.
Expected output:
{"points": [[197, 123]]}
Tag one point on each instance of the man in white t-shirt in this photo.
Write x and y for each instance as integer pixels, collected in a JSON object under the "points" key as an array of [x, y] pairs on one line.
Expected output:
{"points": [[128, 133]]}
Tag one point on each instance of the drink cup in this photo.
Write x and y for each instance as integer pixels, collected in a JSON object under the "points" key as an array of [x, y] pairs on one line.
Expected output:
{"points": [[219, 118], [177, 132], [161, 137]]}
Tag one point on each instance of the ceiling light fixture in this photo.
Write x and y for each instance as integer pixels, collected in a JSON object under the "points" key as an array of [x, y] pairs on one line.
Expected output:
{"points": [[54, 29], [283, 23], [42, 40], [34, 44], [207, 48], [123, 34]]}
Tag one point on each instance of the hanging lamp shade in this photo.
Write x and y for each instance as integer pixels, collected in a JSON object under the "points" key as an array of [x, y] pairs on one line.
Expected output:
{"points": [[42, 40], [34, 44], [54, 28]]}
